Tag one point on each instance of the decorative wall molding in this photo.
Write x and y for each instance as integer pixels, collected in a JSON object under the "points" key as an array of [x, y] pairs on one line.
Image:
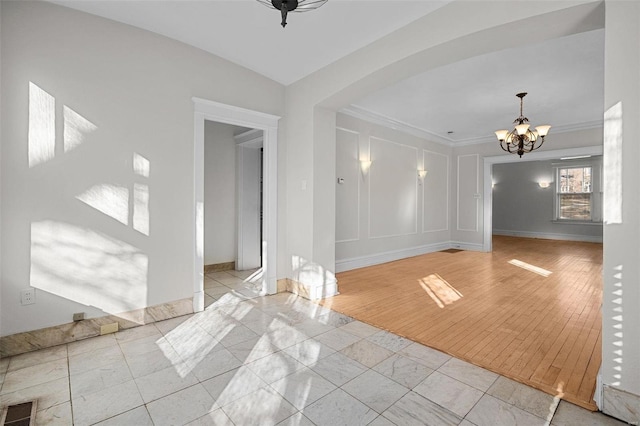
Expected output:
{"points": [[34, 340], [476, 193], [415, 167], [390, 123], [357, 237], [386, 121], [548, 236], [448, 188]]}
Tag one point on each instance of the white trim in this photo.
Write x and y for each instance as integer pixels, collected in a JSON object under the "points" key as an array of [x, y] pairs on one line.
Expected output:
{"points": [[510, 158], [465, 246], [357, 238], [388, 256], [393, 255], [390, 123], [556, 130], [415, 224], [598, 395], [386, 121], [249, 137], [549, 236], [229, 114], [446, 204], [458, 192]]}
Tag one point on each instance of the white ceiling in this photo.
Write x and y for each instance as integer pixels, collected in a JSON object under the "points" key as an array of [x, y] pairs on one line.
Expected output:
{"points": [[564, 77], [249, 34]]}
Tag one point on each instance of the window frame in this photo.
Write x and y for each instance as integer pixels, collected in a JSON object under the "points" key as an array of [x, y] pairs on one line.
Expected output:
{"points": [[595, 193]]}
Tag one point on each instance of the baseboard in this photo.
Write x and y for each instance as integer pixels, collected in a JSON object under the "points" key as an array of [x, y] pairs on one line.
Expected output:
{"points": [[465, 246], [29, 341], [388, 256], [549, 236], [621, 405], [219, 267]]}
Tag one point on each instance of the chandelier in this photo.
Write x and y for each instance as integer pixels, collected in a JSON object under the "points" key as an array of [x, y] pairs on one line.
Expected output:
{"points": [[521, 139], [286, 6]]}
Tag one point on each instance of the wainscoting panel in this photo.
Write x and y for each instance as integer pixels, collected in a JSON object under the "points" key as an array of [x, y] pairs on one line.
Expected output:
{"points": [[468, 192], [347, 192], [435, 189], [393, 189]]}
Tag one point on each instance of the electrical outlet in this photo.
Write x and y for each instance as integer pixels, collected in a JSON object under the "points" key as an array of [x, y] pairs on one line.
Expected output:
{"points": [[108, 328], [28, 296], [79, 316]]}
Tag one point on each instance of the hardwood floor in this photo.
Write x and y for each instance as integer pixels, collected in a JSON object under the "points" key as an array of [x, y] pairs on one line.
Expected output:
{"points": [[530, 310]]}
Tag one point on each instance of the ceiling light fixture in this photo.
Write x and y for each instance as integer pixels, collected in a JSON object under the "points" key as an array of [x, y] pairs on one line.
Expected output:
{"points": [[521, 139], [286, 6]]}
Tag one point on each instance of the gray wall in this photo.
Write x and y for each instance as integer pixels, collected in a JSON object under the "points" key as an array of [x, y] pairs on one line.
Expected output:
{"points": [[522, 208]]}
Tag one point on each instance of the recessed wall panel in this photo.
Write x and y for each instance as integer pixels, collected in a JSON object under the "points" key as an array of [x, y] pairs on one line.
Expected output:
{"points": [[347, 192], [392, 191], [468, 192], [435, 188]]}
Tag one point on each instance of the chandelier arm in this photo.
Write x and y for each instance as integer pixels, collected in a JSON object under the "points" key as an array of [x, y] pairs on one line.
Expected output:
{"points": [[541, 142], [283, 12]]}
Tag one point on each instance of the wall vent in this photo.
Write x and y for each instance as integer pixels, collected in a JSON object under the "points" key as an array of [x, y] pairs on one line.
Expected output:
{"points": [[451, 250], [23, 414]]}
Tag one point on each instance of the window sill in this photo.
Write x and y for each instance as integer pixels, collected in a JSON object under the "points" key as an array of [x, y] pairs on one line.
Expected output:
{"points": [[576, 222]]}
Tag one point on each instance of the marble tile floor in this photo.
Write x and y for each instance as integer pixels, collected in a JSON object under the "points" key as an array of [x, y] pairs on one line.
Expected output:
{"points": [[266, 360]]}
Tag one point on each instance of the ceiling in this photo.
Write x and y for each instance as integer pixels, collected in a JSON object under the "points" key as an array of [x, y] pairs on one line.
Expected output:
{"points": [[564, 79], [472, 98], [249, 34]]}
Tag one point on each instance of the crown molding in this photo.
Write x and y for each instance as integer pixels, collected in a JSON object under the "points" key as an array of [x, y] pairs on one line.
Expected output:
{"points": [[253, 135], [388, 122], [385, 121]]}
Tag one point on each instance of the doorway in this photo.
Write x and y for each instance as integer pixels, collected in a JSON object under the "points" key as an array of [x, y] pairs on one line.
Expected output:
{"points": [[268, 124]]}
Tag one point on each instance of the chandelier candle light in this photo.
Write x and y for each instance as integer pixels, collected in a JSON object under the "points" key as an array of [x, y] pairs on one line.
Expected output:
{"points": [[521, 139], [286, 6]]}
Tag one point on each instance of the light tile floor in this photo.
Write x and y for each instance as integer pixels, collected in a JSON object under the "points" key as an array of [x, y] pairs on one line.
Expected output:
{"points": [[256, 360]]}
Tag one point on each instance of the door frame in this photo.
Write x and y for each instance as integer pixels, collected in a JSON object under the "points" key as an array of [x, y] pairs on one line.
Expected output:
{"points": [[215, 111], [510, 158]]}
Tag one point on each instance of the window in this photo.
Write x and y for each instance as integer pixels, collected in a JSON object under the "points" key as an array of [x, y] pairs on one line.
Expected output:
{"points": [[574, 192]]}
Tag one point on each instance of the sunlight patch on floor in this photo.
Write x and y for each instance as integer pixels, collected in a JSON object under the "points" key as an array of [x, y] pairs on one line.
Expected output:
{"points": [[532, 268], [440, 290]]}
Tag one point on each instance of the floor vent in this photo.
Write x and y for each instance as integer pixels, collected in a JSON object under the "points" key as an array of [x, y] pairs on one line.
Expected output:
{"points": [[452, 251], [19, 414]]}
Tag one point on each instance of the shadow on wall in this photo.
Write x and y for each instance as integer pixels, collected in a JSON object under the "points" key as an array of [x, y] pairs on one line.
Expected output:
{"points": [[85, 264]]}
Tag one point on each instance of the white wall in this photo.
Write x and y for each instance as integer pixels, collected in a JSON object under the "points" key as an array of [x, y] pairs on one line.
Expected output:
{"points": [[388, 212], [220, 236], [621, 269], [522, 208], [129, 155]]}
